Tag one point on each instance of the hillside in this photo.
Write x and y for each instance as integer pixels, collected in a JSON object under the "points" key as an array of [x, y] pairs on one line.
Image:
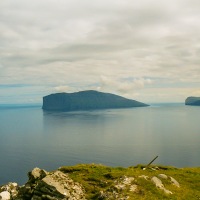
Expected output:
{"points": [[92, 181], [87, 100]]}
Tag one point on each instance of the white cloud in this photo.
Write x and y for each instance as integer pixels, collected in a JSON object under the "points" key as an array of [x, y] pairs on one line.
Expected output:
{"points": [[195, 92], [65, 43], [63, 88], [127, 87]]}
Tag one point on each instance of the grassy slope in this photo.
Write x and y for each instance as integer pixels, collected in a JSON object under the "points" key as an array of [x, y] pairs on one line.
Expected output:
{"points": [[96, 178]]}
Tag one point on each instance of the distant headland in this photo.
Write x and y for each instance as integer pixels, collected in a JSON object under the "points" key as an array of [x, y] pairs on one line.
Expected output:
{"points": [[193, 101], [87, 100]]}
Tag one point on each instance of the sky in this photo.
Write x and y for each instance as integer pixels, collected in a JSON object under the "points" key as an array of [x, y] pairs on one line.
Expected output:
{"points": [[147, 50]]}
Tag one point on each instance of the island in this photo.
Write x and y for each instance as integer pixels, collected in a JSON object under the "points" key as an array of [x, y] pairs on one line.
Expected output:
{"points": [[193, 101], [87, 100]]}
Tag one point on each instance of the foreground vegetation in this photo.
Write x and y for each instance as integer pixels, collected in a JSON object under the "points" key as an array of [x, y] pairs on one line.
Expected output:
{"points": [[102, 182]]}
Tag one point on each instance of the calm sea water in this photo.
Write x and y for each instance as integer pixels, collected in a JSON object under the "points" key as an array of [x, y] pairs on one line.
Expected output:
{"points": [[30, 137]]}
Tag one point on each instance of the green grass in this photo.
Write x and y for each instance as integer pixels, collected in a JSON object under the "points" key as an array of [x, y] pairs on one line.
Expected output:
{"points": [[97, 179]]}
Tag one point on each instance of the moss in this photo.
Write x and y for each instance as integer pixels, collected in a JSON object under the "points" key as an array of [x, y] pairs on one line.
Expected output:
{"points": [[99, 181]]}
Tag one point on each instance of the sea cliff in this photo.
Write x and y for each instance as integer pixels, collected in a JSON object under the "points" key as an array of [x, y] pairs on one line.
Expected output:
{"points": [[193, 101], [87, 100]]}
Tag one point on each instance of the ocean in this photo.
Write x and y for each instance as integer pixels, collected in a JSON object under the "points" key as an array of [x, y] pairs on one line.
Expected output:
{"points": [[31, 137]]}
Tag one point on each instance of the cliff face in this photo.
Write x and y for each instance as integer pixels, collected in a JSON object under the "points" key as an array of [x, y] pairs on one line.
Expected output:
{"points": [[193, 101], [87, 100]]}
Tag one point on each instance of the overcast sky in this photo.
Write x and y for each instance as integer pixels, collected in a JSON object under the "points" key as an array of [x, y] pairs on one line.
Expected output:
{"points": [[147, 50]]}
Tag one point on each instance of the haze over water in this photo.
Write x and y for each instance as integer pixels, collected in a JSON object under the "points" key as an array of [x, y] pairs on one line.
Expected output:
{"points": [[32, 138]]}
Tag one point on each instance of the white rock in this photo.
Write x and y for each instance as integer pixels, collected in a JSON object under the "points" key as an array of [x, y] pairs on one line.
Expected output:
{"points": [[157, 182], [14, 184], [144, 176], [163, 176], [133, 188], [159, 185], [167, 191], [38, 173], [128, 180], [5, 195], [174, 182], [120, 186]]}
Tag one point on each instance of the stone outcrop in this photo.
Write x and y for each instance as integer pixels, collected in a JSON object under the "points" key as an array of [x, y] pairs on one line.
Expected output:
{"points": [[9, 191], [193, 101], [122, 184], [87, 100], [44, 185], [126, 183], [158, 183]]}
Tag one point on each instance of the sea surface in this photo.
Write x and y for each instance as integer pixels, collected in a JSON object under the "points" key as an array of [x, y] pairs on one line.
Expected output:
{"points": [[31, 137]]}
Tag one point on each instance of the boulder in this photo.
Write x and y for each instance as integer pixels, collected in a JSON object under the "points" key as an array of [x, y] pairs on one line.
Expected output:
{"points": [[50, 185], [163, 176], [37, 174], [174, 182], [5, 195], [158, 184], [59, 186]]}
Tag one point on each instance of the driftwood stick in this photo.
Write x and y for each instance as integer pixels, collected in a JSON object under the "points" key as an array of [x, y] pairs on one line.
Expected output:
{"points": [[151, 161]]}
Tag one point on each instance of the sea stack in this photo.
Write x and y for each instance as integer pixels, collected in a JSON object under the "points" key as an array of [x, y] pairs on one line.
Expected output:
{"points": [[87, 100], [193, 101]]}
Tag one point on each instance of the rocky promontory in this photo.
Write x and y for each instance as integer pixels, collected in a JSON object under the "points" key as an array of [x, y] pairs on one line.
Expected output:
{"points": [[44, 185], [87, 100], [193, 101]]}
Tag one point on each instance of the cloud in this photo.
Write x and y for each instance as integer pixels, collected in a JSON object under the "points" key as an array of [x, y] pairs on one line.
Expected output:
{"points": [[127, 87], [63, 88], [71, 45]]}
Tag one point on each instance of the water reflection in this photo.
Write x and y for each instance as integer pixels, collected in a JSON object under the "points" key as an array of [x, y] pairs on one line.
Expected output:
{"points": [[121, 137], [126, 136]]}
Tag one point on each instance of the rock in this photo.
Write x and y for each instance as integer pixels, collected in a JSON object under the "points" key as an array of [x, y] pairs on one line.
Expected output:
{"points": [[167, 191], [112, 195], [193, 101], [120, 186], [157, 182], [59, 186], [87, 100], [124, 182], [127, 180], [50, 185], [11, 188], [174, 182], [37, 173], [103, 195], [163, 176], [133, 188], [44, 185], [159, 185], [5, 195], [144, 176]]}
